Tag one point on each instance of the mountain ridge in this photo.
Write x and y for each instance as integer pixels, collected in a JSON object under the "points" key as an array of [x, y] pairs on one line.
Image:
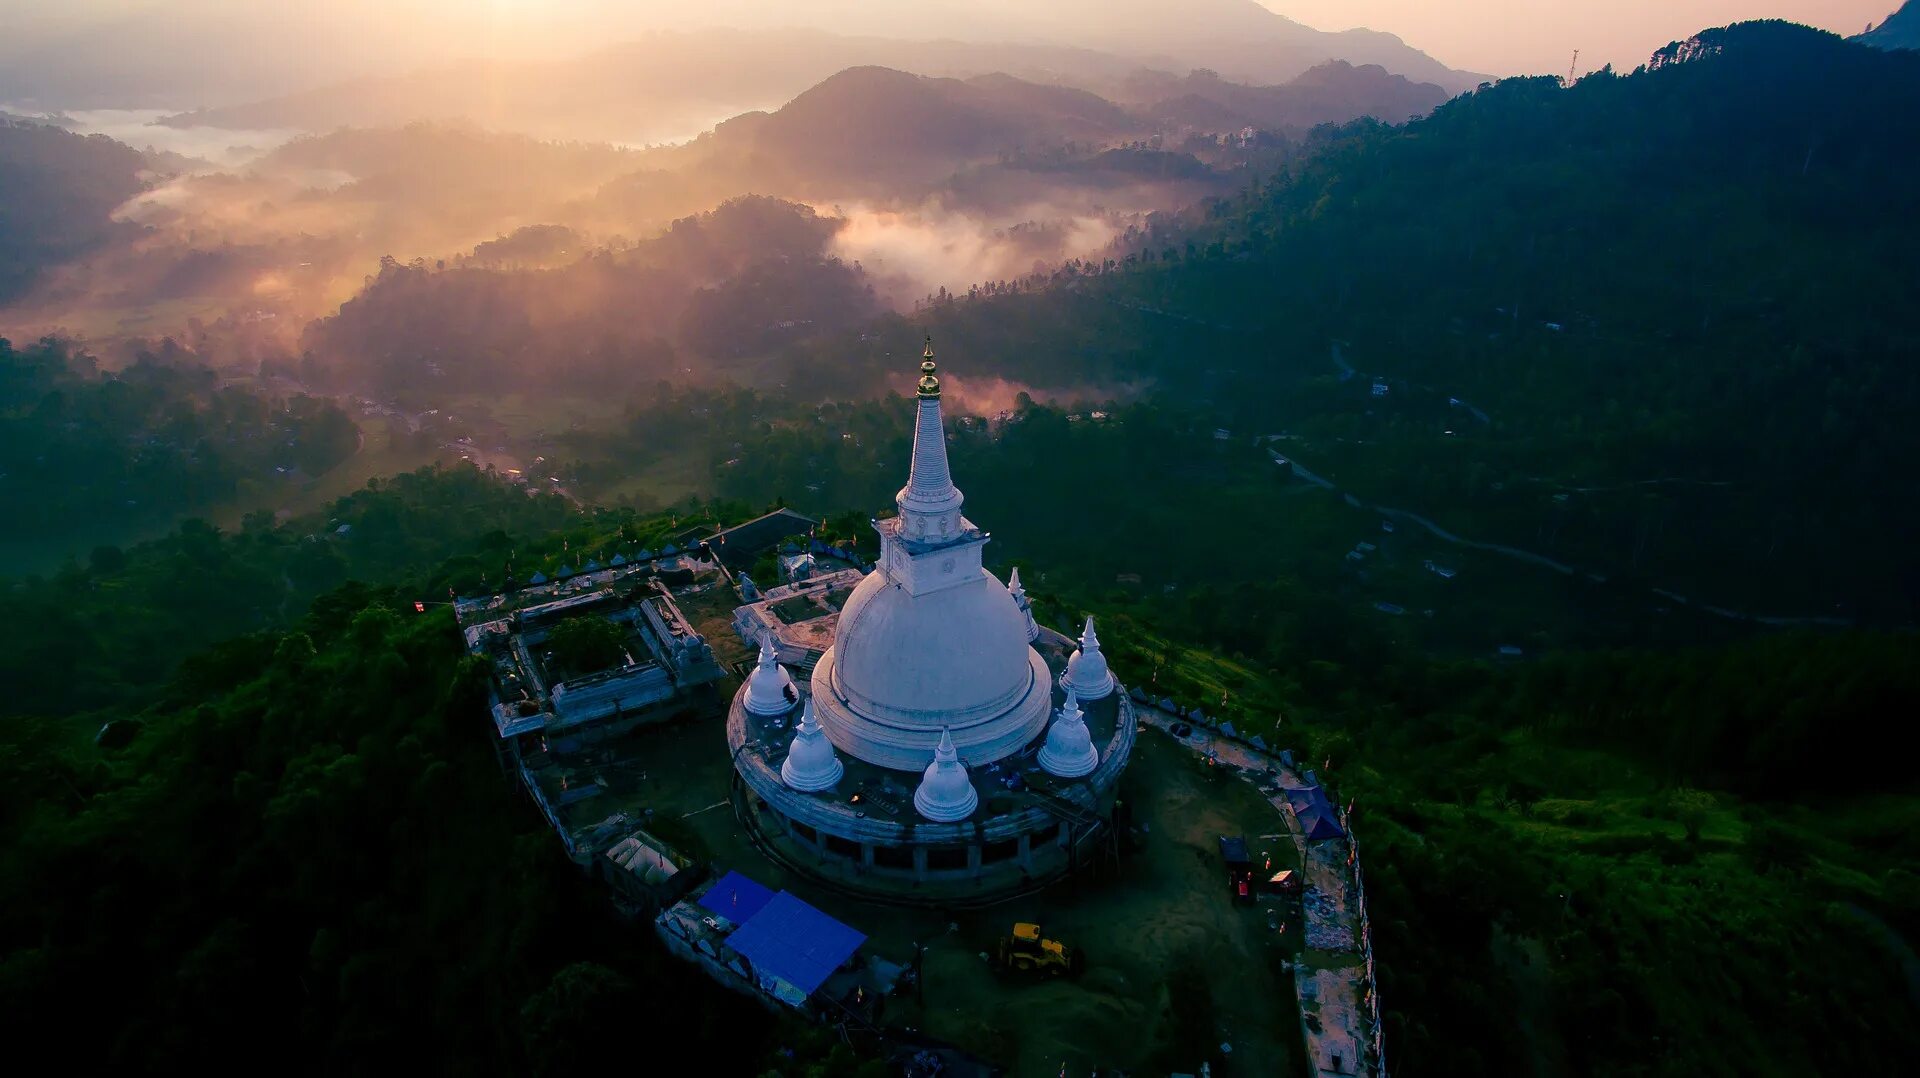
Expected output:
{"points": [[636, 91], [1900, 30]]}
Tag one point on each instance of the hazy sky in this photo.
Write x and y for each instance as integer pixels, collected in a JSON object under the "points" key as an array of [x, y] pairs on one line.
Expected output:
{"points": [[1508, 37], [1499, 37]]}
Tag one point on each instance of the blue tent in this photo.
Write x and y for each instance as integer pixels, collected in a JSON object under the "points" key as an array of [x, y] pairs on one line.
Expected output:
{"points": [[736, 898], [793, 947]]}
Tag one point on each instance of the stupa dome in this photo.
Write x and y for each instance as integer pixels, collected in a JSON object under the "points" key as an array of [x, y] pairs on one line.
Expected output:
{"points": [[930, 645], [768, 684], [1087, 675], [1069, 751], [945, 793], [810, 764]]}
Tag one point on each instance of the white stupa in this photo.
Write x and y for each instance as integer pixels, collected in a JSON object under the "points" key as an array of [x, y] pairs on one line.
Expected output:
{"points": [[945, 794], [768, 684], [1087, 675], [1020, 600], [930, 644], [810, 764], [1069, 751]]}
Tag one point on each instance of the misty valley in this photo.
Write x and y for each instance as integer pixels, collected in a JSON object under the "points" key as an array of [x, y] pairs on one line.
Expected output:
{"points": [[1512, 474]]}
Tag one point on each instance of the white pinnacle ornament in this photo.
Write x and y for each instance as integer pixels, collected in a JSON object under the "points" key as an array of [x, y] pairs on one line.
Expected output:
{"points": [[1069, 751], [810, 764], [945, 794], [1026, 607], [1087, 675], [768, 684]]}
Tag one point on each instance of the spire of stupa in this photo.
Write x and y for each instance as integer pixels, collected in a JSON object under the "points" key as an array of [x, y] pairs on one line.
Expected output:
{"points": [[929, 503]]}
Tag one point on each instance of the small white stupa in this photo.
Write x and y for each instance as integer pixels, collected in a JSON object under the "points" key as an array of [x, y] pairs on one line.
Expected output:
{"points": [[1069, 751], [768, 684], [811, 764], [1026, 607], [945, 794], [1087, 675]]}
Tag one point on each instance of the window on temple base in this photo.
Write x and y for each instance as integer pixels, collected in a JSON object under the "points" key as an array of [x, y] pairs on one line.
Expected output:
{"points": [[946, 858], [803, 831], [892, 857], [1000, 851], [843, 847]]}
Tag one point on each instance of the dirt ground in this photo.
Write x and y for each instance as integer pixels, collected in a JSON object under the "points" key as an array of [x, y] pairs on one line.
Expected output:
{"points": [[1162, 918]]}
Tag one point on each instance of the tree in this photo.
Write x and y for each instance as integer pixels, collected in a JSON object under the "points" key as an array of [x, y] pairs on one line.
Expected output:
{"points": [[583, 645], [567, 1027]]}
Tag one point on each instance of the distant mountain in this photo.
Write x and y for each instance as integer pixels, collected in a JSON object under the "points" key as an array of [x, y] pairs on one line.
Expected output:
{"points": [[1333, 92], [57, 192], [660, 87], [670, 86], [1901, 30], [878, 125], [1683, 294]]}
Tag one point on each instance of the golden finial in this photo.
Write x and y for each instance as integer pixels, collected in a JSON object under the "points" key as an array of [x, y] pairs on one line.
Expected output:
{"points": [[929, 385]]}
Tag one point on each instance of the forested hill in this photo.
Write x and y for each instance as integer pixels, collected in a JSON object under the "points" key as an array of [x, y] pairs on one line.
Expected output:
{"points": [[86, 454], [1657, 324], [57, 190], [752, 272]]}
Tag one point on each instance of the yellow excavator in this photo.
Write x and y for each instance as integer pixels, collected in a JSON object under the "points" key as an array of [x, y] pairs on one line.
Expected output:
{"points": [[1028, 950]]}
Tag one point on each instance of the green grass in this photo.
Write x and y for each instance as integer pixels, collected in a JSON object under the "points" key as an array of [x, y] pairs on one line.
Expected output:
{"points": [[376, 458], [525, 416], [667, 479]]}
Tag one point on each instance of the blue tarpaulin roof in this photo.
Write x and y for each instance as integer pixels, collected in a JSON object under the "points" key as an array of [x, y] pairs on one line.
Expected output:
{"points": [[736, 898], [1316, 815], [794, 942]]}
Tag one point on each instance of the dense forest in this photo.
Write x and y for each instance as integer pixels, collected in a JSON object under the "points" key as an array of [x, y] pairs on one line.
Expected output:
{"points": [[87, 450], [281, 845]]}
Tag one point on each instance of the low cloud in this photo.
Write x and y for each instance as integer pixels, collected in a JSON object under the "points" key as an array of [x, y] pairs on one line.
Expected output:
{"points": [[911, 253]]}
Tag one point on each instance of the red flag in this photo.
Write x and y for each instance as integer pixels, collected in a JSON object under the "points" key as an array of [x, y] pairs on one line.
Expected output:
{"points": [[419, 607]]}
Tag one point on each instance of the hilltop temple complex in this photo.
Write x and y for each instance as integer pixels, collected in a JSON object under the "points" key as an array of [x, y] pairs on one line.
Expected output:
{"points": [[939, 739]]}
